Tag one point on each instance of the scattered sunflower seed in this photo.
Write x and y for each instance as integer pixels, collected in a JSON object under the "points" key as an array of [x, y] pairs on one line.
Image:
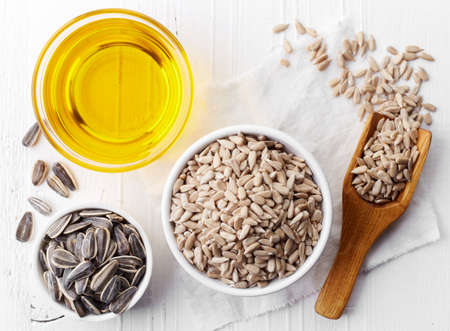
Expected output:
{"points": [[39, 174], [40, 206], [65, 175], [32, 136], [280, 28], [57, 185], [25, 228]]}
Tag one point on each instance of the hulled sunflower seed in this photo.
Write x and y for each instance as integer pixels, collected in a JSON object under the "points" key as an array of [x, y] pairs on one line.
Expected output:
{"points": [[426, 56], [39, 174], [299, 27], [285, 62], [287, 46], [101, 277], [40, 206], [280, 28], [120, 304], [111, 290], [65, 175], [59, 226], [25, 227], [57, 185], [32, 136]]}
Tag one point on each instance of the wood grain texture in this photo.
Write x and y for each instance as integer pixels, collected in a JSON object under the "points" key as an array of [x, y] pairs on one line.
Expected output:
{"points": [[362, 224], [223, 39]]}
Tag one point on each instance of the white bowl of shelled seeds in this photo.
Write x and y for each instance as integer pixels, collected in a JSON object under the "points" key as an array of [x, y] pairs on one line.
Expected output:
{"points": [[93, 262], [246, 210]]}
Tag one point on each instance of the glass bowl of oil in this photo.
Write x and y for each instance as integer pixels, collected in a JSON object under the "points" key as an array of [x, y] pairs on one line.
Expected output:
{"points": [[112, 90]]}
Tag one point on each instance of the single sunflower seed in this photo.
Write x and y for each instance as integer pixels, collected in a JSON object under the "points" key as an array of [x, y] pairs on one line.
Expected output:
{"points": [[25, 227], [39, 174], [32, 136], [136, 246], [111, 290], [120, 304], [65, 175], [58, 227], [40, 206], [57, 185], [82, 270], [101, 277]]}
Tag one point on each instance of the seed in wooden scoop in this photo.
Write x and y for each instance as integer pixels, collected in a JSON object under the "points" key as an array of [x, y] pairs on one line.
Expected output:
{"points": [[111, 290], [32, 136], [58, 226], [123, 247], [120, 304], [62, 258], [90, 305], [82, 270], [100, 278], [65, 175], [40, 171], [103, 239], [138, 276], [58, 186], [89, 247], [136, 246], [41, 206], [25, 227]]}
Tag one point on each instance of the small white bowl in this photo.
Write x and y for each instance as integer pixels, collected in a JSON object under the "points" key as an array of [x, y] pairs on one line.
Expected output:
{"points": [[42, 287], [291, 145]]}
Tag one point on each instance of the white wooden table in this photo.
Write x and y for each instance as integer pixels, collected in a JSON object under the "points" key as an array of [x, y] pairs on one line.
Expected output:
{"points": [[223, 39]]}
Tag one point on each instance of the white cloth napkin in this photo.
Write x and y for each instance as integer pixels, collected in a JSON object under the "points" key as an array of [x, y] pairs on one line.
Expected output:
{"points": [[297, 100]]}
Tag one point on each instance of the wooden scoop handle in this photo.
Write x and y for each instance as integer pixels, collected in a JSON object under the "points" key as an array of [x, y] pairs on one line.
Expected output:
{"points": [[360, 229]]}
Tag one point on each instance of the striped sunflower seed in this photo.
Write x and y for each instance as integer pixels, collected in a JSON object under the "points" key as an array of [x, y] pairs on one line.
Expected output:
{"points": [[57, 185], [136, 246], [39, 174], [65, 176], [62, 258], [25, 227], [32, 136], [101, 277], [82, 270], [90, 305], [58, 226], [111, 290], [120, 304], [40, 206]]}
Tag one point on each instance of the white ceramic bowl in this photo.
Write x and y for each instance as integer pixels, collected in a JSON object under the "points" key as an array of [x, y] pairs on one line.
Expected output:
{"points": [[37, 271], [291, 145]]}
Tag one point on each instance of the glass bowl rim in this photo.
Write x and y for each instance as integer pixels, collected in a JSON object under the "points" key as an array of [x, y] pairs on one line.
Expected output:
{"points": [[40, 112]]}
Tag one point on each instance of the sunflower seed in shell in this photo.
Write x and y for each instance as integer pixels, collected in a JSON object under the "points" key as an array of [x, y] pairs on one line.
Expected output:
{"points": [[78, 307], [100, 222], [62, 258], [123, 247], [111, 290], [76, 226], [40, 206], [39, 174], [58, 226], [138, 276], [89, 247], [124, 283], [32, 136], [80, 285], [50, 249], [42, 260], [82, 270], [58, 186], [111, 251], [129, 229], [115, 218], [90, 305], [52, 285], [103, 238], [101, 277], [70, 242], [65, 175], [65, 290], [136, 246], [128, 261], [79, 245], [120, 304], [66, 273], [93, 212], [25, 227]]}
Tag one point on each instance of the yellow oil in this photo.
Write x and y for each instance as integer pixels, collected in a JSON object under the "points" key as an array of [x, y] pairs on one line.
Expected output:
{"points": [[112, 90]]}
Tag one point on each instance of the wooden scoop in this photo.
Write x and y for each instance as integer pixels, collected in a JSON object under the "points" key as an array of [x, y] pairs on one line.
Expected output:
{"points": [[362, 224]]}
